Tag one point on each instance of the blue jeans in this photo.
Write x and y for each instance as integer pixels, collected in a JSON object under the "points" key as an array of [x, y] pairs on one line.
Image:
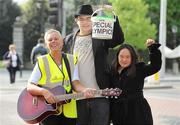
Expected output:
{"points": [[93, 111]]}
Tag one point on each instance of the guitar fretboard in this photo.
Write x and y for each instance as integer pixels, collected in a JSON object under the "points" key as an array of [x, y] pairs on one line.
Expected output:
{"points": [[77, 95]]}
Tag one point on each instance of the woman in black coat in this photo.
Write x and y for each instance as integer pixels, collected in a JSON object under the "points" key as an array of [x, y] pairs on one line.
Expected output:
{"points": [[131, 108], [14, 62]]}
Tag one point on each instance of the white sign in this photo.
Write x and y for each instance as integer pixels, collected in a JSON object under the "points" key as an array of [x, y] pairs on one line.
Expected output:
{"points": [[102, 28]]}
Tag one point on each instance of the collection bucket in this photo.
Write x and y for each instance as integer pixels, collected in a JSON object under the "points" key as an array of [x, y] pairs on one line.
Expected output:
{"points": [[102, 26]]}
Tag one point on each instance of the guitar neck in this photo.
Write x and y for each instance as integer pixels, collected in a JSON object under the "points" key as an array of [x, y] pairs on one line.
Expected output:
{"points": [[77, 95]]}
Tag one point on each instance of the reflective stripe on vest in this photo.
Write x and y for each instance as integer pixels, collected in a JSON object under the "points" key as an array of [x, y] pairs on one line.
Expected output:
{"points": [[52, 76]]}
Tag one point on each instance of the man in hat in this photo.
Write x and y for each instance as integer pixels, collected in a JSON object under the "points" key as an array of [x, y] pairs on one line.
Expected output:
{"points": [[92, 65]]}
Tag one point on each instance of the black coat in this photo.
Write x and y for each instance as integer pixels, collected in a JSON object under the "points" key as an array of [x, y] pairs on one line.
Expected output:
{"points": [[5, 57], [100, 52], [131, 108]]}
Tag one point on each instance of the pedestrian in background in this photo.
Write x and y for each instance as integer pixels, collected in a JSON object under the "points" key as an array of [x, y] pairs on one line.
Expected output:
{"points": [[13, 62], [38, 50], [131, 108], [92, 65], [50, 71]]}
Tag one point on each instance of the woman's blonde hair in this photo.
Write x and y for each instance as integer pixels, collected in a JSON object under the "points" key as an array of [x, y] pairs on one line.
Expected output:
{"points": [[12, 46], [50, 31]]}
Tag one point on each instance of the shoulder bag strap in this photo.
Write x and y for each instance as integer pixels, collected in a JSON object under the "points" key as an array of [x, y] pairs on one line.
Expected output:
{"points": [[68, 68]]}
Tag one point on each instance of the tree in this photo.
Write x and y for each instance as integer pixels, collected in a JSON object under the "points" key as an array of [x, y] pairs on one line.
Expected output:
{"points": [[92, 2], [173, 14], [8, 13], [35, 14], [154, 11], [137, 27]]}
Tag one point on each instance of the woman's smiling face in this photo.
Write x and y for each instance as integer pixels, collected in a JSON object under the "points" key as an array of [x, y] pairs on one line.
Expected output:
{"points": [[124, 58], [54, 42]]}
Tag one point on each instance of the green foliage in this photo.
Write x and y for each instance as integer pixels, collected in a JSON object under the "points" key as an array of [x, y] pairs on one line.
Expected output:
{"points": [[8, 13], [137, 27], [34, 18], [92, 2], [70, 24], [173, 14], [1, 64], [154, 11]]}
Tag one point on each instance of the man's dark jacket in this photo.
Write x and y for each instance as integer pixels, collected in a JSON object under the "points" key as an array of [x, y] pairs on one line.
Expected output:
{"points": [[100, 51]]}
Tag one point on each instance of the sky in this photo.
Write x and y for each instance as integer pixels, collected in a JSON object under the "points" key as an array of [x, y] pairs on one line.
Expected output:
{"points": [[19, 1]]}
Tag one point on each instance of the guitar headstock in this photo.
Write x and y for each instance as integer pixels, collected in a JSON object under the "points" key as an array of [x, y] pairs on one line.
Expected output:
{"points": [[113, 92]]}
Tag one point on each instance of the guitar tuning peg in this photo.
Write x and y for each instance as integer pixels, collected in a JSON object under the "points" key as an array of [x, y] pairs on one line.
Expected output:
{"points": [[115, 97], [107, 97]]}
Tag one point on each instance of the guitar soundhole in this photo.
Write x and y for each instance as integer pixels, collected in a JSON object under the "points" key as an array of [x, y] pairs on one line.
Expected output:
{"points": [[35, 101]]}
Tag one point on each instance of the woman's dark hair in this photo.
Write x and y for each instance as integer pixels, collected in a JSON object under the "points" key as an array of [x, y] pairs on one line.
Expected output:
{"points": [[131, 69]]}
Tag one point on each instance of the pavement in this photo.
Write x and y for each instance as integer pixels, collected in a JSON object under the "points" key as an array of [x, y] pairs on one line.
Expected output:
{"points": [[9, 94], [165, 111], [21, 81], [165, 107]]}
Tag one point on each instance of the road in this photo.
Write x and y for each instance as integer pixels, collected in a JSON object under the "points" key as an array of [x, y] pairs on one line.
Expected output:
{"points": [[165, 105], [8, 97], [8, 108], [164, 102]]}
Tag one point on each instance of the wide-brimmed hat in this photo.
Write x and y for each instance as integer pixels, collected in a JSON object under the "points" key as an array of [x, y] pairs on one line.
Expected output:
{"points": [[85, 9]]}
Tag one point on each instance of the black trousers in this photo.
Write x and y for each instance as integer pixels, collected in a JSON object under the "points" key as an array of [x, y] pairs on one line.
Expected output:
{"points": [[58, 120], [12, 73], [93, 111]]}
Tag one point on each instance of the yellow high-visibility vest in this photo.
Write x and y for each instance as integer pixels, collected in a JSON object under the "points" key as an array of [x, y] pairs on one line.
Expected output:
{"points": [[52, 76]]}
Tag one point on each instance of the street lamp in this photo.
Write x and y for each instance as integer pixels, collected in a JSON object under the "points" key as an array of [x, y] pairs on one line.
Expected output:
{"points": [[162, 34], [40, 6], [1, 8], [175, 66]]}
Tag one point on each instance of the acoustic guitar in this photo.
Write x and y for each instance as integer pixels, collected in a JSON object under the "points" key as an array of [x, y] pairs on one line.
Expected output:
{"points": [[33, 109]]}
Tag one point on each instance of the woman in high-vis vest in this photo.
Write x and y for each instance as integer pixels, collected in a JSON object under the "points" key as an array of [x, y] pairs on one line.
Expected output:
{"points": [[52, 71]]}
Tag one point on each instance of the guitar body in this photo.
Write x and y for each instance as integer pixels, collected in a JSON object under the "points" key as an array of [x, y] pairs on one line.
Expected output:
{"points": [[33, 109]]}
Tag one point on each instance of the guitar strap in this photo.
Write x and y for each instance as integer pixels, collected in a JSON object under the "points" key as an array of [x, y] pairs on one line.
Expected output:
{"points": [[68, 69]]}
